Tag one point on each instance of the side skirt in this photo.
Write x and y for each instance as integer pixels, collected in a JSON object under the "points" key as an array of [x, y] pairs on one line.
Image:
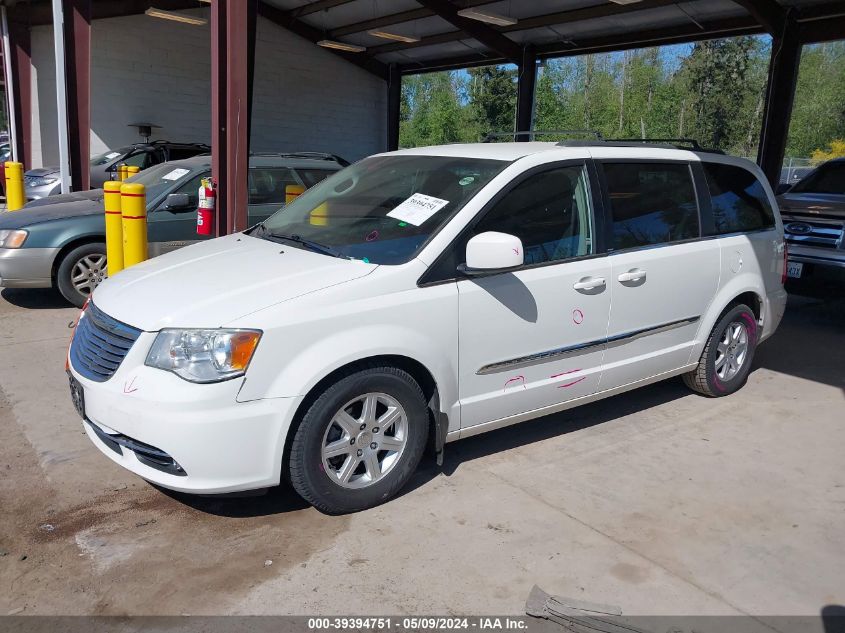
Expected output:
{"points": [[562, 406]]}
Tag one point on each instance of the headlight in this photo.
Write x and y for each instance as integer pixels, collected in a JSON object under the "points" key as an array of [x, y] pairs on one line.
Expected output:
{"points": [[40, 181], [204, 355], [13, 238]]}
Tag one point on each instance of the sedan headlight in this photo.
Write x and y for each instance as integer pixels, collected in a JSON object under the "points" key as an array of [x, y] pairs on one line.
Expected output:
{"points": [[204, 355], [40, 181], [12, 238]]}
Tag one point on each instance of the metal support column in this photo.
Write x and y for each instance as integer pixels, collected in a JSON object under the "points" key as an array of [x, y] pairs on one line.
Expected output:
{"points": [[77, 31], [233, 24], [61, 95], [780, 97], [394, 101], [19, 91], [525, 92], [218, 110]]}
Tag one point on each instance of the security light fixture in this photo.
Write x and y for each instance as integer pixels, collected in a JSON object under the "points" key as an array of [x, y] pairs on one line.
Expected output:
{"points": [[488, 17], [176, 17], [393, 36], [341, 46]]}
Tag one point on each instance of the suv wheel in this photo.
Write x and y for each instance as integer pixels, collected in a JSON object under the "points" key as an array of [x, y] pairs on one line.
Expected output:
{"points": [[81, 270], [360, 441], [726, 361]]}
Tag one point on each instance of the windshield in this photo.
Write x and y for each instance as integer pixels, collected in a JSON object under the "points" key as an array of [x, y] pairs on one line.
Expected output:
{"points": [[829, 178], [382, 209], [160, 178], [109, 156]]}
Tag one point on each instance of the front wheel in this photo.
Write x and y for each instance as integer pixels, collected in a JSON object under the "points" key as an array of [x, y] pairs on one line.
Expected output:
{"points": [[360, 441], [726, 360], [80, 271]]}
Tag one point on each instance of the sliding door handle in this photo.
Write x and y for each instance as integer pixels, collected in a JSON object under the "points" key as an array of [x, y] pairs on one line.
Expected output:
{"points": [[590, 283]]}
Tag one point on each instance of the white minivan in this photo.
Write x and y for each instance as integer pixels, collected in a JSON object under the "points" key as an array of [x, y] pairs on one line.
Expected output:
{"points": [[423, 296]]}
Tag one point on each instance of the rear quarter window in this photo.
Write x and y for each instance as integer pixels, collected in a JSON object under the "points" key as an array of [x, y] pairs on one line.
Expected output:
{"points": [[738, 199]]}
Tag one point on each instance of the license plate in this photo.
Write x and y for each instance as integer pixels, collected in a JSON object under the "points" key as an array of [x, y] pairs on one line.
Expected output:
{"points": [[794, 270], [77, 395]]}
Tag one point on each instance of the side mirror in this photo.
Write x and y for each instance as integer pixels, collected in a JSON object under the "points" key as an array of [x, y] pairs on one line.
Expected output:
{"points": [[782, 188], [177, 202], [491, 252]]}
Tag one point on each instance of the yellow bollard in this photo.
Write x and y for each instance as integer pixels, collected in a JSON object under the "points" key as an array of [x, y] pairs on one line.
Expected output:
{"points": [[131, 170], [292, 192], [319, 215], [114, 227], [121, 172], [15, 195], [133, 206]]}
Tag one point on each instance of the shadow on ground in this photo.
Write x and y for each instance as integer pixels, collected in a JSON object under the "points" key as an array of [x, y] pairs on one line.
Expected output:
{"points": [[35, 298]]}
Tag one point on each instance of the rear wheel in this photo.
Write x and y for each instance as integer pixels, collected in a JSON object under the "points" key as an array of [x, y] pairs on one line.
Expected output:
{"points": [[81, 270], [726, 361], [360, 441]]}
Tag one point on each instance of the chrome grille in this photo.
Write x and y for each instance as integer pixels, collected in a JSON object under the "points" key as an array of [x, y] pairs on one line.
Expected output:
{"points": [[813, 232], [100, 344]]}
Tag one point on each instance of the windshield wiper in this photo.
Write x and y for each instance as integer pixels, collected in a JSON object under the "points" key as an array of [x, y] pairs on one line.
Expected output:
{"points": [[262, 231]]}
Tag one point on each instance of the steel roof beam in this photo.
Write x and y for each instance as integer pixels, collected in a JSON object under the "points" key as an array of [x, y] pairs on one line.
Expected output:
{"points": [[489, 37]]}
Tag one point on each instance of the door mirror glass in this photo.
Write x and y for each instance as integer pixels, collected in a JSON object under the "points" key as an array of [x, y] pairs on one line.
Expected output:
{"points": [[493, 252], [178, 202]]}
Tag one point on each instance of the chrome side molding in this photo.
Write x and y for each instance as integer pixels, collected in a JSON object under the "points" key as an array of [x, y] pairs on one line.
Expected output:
{"points": [[553, 354]]}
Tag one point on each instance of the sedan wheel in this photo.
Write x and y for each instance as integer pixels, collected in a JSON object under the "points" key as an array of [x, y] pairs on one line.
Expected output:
{"points": [[88, 272]]}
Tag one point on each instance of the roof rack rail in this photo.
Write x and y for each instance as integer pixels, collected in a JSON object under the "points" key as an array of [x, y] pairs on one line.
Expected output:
{"points": [[677, 143], [531, 134], [312, 155]]}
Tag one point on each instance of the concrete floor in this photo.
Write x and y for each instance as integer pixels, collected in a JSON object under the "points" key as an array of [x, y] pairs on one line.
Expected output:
{"points": [[658, 501]]}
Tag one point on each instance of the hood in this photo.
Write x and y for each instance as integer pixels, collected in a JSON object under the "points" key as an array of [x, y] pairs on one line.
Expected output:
{"points": [[821, 204], [95, 195], [213, 283], [42, 171], [36, 214]]}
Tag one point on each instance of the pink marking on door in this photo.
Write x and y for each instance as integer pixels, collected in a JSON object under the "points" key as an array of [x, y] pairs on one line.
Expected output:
{"points": [[372, 236], [520, 379], [129, 386], [571, 384], [577, 316]]}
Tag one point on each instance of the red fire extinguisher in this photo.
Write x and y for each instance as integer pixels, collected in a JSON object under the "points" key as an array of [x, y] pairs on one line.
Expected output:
{"points": [[205, 212]]}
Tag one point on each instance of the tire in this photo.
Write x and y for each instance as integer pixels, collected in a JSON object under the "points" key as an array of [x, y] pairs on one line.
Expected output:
{"points": [[87, 257], [351, 480], [726, 361]]}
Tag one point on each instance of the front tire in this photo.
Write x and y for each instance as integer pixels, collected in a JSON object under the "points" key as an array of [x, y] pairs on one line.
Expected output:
{"points": [[80, 271], [727, 357], [360, 441]]}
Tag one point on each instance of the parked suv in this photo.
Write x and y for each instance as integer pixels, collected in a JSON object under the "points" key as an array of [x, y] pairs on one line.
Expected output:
{"points": [[428, 295], [60, 241], [44, 181], [814, 221]]}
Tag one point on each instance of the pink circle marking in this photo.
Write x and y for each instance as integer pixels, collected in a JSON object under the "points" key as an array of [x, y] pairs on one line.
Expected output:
{"points": [[577, 316]]}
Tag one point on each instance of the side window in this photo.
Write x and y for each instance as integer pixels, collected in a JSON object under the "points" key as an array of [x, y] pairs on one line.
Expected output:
{"points": [[651, 203], [141, 159], [738, 199], [192, 188], [550, 212], [266, 185]]}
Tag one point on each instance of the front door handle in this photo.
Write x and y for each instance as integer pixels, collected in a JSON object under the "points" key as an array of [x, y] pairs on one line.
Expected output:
{"points": [[590, 283], [632, 275]]}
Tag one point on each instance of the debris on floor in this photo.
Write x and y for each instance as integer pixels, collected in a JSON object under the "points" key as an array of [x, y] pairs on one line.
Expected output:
{"points": [[577, 615]]}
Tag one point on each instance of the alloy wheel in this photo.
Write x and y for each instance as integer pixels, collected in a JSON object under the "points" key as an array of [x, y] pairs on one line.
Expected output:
{"points": [[364, 440], [732, 351], [88, 272]]}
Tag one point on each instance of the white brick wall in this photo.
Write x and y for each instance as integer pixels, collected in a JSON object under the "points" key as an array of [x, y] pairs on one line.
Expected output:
{"points": [[152, 70]]}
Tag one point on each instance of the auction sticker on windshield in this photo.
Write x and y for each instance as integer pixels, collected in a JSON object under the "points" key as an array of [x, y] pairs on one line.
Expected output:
{"points": [[417, 209], [176, 174]]}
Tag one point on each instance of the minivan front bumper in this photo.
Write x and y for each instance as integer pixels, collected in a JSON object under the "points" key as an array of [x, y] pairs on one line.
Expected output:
{"points": [[221, 445]]}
